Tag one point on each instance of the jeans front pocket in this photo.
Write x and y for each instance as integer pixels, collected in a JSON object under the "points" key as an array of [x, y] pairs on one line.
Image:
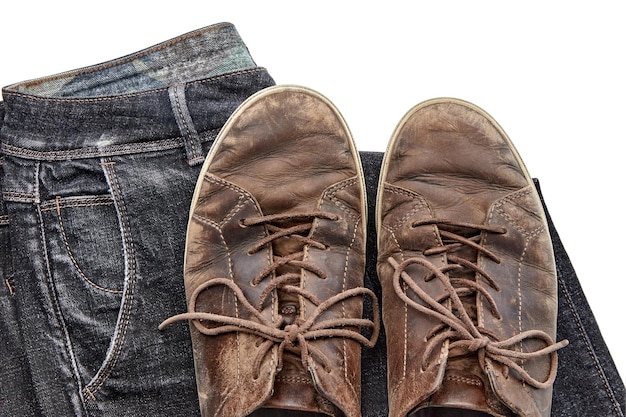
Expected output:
{"points": [[87, 261]]}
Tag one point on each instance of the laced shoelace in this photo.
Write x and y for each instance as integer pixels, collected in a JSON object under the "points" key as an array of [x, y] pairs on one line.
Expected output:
{"points": [[459, 329], [292, 337]]}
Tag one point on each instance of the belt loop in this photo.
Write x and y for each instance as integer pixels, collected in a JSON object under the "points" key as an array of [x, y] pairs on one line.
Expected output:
{"points": [[193, 146]]}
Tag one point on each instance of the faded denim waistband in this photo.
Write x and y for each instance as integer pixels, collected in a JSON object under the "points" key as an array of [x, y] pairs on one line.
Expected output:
{"points": [[159, 98]]}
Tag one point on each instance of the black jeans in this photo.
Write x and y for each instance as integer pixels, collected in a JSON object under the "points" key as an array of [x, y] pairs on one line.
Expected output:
{"points": [[99, 165]]}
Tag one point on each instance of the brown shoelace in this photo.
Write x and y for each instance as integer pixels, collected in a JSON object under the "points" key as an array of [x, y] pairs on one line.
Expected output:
{"points": [[293, 337], [459, 329]]}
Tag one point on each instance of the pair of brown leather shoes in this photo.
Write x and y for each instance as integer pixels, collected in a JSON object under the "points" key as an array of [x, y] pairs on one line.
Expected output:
{"points": [[275, 259]]}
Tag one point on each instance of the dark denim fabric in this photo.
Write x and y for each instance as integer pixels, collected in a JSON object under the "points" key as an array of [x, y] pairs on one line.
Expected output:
{"points": [[99, 168], [16, 388]]}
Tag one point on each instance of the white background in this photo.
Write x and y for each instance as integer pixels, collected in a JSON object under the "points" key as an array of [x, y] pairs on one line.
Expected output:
{"points": [[550, 72]]}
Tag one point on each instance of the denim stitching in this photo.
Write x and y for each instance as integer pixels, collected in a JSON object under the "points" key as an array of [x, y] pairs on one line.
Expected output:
{"points": [[589, 348], [71, 255], [185, 124], [186, 131], [129, 293], [7, 93], [16, 195], [55, 302], [95, 152], [9, 286], [78, 202]]}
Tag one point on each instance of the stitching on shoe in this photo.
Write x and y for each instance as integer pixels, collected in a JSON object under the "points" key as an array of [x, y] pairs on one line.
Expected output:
{"points": [[294, 380], [218, 228], [519, 296], [233, 211], [418, 205], [511, 199], [465, 380], [527, 238], [406, 314], [343, 309], [207, 221], [330, 194], [243, 195], [215, 180]]}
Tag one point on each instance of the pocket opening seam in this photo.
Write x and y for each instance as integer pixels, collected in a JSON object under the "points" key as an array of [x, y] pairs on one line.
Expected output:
{"points": [[71, 255], [119, 337]]}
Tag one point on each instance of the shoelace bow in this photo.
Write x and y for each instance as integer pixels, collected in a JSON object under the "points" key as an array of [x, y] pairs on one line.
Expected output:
{"points": [[293, 337], [460, 329]]}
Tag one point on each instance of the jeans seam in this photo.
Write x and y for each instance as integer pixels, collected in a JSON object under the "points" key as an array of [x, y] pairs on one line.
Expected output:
{"points": [[192, 142], [55, 301], [127, 303], [70, 254], [18, 197], [590, 350], [187, 134], [95, 152], [125, 96], [61, 203]]}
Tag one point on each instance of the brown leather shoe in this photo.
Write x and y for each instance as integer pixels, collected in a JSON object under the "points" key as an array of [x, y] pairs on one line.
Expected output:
{"points": [[275, 260], [467, 270]]}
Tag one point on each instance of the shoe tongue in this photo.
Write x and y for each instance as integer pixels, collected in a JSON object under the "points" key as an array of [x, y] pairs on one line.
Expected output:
{"points": [[466, 387], [293, 386], [469, 301], [294, 390]]}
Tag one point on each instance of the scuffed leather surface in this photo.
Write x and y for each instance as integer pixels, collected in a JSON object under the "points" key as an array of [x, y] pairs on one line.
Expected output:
{"points": [[286, 152], [450, 162], [587, 382]]}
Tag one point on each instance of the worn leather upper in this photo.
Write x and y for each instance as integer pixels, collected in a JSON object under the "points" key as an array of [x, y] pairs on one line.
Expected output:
{"points": [[285, 159], [450, 173]]}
